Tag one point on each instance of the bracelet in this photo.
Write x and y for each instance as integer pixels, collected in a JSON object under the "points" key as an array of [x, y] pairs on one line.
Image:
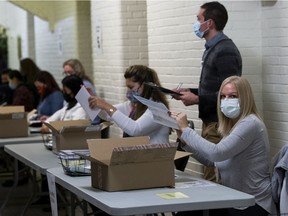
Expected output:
{"points": [[111, 111]]}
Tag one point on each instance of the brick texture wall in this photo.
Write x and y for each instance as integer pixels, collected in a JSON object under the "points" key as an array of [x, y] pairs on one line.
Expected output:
{"points": [[160, 34], [275, 71], [124, 42]]}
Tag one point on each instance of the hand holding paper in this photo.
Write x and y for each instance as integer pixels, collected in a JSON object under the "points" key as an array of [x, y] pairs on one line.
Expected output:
{"points": [[82, 97], [160, 112]]}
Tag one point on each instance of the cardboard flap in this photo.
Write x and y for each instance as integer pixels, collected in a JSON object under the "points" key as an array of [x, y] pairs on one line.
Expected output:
{"points": [[180, 154], [11, 109], [31, 113], [12, 112], [143, 153], [84, 128], [56, 126], [54, 130], [101, 149], [73, 129]]}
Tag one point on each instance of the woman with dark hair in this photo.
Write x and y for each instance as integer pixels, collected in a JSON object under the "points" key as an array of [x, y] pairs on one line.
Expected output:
{"points": [[51, 97], [132, 116], [29, 71], [6, 93], [72, 109], [22, 94]]}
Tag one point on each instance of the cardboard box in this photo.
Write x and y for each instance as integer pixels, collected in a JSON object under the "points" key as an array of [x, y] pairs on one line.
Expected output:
{"points": [[72, 134], [131, 163], [13, 122]]}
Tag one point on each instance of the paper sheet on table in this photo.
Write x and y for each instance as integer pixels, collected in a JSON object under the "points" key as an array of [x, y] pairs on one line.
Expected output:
{"points": [[82, 97], [160, 112]]}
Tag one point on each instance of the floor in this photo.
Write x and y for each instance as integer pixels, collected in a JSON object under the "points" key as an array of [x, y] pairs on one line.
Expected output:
{"points": [[18, 199], [20, 196]]}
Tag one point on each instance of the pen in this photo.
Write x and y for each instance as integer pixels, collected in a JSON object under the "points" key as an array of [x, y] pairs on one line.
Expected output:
{"points": [[178, 87]]}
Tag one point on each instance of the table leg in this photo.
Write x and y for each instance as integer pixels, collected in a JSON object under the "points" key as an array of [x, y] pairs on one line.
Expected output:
{"points": [[34, 192], [206, 213], [15, 183]]}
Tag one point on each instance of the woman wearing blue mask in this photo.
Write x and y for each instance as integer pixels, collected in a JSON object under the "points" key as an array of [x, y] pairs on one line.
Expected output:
{"points": [[132, 116], [242, 156], [22, 95]]}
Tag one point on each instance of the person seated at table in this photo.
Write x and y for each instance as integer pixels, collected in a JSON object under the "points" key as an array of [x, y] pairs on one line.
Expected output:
{"points": [[132, 116], [242, 156], [6, 93], [22, 95], [51, 97], [72, 109], [75, 67], [29, 70]]}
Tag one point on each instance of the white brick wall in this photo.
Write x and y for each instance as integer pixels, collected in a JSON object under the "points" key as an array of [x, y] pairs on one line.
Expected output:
{"points": [[14, 20], [160, 33], [73, 25], [124, 42], [275, 71], [175, 52], [48, 56]]}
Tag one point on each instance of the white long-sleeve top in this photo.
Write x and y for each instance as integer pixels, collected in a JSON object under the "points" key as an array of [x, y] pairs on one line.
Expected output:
{"points": [[242, 158], [75, 113], [143, 126]]}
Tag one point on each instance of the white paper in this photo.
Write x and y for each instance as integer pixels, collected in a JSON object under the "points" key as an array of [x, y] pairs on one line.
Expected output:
{"points": [[82, 97], [52, 193], [160, 112]]}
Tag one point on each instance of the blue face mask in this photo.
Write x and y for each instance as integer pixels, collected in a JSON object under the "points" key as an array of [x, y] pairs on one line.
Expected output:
{"points": [[197, 26], [130, 95], [12, 86]]}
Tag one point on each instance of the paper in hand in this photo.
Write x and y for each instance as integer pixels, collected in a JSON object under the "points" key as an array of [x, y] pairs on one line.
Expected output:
{"points": [[82, 97], [160, 112]]}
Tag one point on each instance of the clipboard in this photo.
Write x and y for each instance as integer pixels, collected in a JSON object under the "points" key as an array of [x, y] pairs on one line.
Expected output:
{"points": [[162, 89]]}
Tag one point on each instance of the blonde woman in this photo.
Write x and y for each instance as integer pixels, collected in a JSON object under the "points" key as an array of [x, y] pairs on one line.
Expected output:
{"points": [[242, 156]]}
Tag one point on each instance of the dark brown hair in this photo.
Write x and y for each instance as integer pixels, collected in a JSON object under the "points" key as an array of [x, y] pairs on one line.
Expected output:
{"points": [[143, 74], [29, 70], [217, 12], [46, 78]]}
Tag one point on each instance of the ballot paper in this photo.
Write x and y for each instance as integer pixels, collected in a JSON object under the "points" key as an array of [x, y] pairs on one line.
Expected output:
{"points": [[160, 112], [82, 97]]}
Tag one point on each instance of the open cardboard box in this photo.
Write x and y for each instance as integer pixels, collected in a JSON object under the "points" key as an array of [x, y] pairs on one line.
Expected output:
{"points": [[13, 122], [72, 134], [131, 163]]}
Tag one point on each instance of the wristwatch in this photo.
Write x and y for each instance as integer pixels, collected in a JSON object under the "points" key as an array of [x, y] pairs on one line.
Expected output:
{"points": [[111, 111]]}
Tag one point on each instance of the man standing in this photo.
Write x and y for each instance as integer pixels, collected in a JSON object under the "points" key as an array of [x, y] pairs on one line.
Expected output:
{"points": [[220, 60]]}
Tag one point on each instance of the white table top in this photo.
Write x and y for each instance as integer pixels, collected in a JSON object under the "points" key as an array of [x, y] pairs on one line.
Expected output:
{"points": [[34, 155], [206, 195], [32, 138]]}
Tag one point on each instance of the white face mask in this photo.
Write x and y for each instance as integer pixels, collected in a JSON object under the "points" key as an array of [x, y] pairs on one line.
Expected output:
{"points": [[230, 107]]}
